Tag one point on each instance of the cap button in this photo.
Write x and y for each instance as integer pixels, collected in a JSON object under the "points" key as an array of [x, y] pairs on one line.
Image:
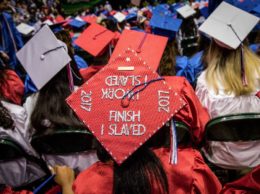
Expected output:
{"points": [[138, 50], [42, 57], [125, 102]]}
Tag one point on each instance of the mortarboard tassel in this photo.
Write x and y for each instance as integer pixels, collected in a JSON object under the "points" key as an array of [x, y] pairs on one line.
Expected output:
{"points": [[69, 74], [242, 62], [125, 101], [243, 73], [110, 50], [45, 53], [138, 50], [173, 154], [94, 37]]}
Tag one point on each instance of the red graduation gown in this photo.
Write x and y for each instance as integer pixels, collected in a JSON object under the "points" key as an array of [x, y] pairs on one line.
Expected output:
{"points": [[8, 190], [13, 88], [191, 175], [249, 184], [193, 114]]}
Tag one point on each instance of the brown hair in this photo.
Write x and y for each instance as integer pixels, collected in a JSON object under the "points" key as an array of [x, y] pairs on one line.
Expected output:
{"points": [[167, 64]]}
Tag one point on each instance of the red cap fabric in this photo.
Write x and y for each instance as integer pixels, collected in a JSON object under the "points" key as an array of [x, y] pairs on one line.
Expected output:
{"points": [[90, 19], [150, 47], [59, 19], [113, 12], [124, 104], [116, 38], [94, 39], [87, 73]]}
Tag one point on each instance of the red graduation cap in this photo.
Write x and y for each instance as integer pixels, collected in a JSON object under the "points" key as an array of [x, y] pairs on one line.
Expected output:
{"points": [[90, 19], [150, 47], [59, 19], [95, 39], [124, 104]]}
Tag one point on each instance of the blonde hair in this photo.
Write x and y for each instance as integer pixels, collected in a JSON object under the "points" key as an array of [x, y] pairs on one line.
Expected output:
{"points": [[224, 65]]}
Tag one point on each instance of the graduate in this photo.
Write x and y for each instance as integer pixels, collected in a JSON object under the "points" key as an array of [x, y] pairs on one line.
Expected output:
{"points": [[52, 72], [230, 84], [129, 124], [97, 41], [12, 125], [11, 40]]}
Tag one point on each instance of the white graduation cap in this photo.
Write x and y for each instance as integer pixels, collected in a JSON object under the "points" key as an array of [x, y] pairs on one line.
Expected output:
{"points": [[79, 19], [48, 22], [25, 29], [37, 26], [186, 11], [229, 25], [43, 56], [119, 17]]}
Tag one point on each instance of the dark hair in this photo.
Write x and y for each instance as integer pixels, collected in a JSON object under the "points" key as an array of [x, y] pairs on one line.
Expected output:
{"points": [[64, 36], [141, 170], [51, 109], [110, 24], [6, 120], [167, 63]]}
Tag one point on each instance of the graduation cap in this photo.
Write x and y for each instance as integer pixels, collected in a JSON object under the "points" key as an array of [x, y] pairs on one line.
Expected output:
{"points": [[95, 39], [59, 19], [165, 25], [186, 11], [229, 25], [256, 10], [90, 19], [43, 56], [161, 8], [77, 24], [204, 11], [131, 16], [246, 5], [125, 104], [150, 47], [25, 29], [48, 22], [176, 6], [119, 17], [165, 22]]}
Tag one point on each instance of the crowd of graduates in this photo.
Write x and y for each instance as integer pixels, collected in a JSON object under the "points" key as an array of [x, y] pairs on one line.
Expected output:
{"points": [[157, 65]]}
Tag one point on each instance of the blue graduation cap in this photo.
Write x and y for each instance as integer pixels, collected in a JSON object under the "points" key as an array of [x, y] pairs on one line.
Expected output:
{"points": [[77, 24], [165, 25], [256, 10], [173, 8], [56, 28], [246, 5], [204, 11], [161, 8], [105, 12], [131, 16]]}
